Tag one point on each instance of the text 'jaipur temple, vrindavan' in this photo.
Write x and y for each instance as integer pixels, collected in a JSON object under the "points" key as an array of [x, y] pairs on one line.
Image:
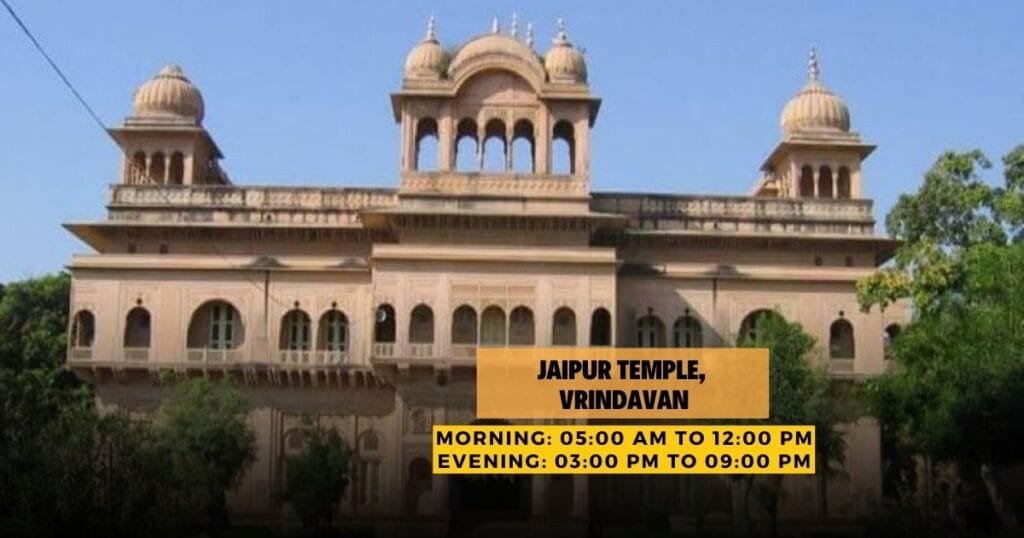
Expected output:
{"points": [[365, 306]]}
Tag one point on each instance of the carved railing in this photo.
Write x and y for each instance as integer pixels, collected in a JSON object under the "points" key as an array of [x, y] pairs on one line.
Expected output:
{"points": [[212, 356], [136, 353], [236, 204], [80, 353], [739, 213], [421, 350], [384, 349]]}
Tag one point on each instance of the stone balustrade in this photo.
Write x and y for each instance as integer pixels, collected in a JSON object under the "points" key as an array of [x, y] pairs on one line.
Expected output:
{"points": [[237, 204], [739, 213]]}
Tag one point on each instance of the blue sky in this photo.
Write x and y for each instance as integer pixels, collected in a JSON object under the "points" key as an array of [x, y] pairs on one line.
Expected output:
{"points": [[297, 92]]}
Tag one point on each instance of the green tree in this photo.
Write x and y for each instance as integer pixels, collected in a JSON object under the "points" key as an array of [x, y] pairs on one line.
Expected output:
{"points": [[798, 395], [33, 322], [203, 431], [317, 478], [958, 390]]}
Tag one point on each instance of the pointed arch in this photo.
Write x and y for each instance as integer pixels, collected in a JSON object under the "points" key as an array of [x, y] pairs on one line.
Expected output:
{"points": [[806, 181], [600, 327], [748, 327], [824, 182], [843, 187], [563, 148], [650, 331], [332, 331], [563, 327], [524, 151], [83, 329], [521, 330], [840, 340], [426, 145], [492, 327], [176, 169], [466, 146], [687, 332], [216, 324], [495, 146], [384, 329], [421, 325], [137, 330], [295, 331], [464, 330]]}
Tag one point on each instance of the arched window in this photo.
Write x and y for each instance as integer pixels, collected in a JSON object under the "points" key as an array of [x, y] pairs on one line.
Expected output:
{"points": [[137, 168], [157, 166], [521, 327], [332, 334], [806, 182], [294, 331], [843, 183], [419, 482], [494, 146], [83, 329], [686, 332], [216, 325], [421, 325], [523, 147], [891, 333], [176, 172], [824, 182], [840, 340], [466, 153], [419, 421], [464, 325], [748, 327], [600, 328], [136, 328], [650, 331], [563, 149], [492, 326], [426, 144], [563, 327], [369, 468], [384, 328]]}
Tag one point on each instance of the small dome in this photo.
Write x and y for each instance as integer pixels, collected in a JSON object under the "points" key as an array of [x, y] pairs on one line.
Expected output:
{"points": [[426, 59], [563, 62], [815, 108], [169, 94]]}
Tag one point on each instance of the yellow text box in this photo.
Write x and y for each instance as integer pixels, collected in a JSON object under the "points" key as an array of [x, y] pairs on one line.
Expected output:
{"points": [[610, 449], [615, 383]]}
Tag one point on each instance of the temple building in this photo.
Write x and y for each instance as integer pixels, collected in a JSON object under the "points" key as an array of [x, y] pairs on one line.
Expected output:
{"points": [[365, 306]]}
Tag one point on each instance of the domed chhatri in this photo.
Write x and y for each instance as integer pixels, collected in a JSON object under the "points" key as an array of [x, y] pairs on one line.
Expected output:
{"points": [[563, 62], [814, 108], [426, 59], [169, 95]]}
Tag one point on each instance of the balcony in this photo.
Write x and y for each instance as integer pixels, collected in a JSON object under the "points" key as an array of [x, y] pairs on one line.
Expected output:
{"points": [[138, 354], [464, 351], [421, 350], [840, 366], [384, 349], [213, 356], [80, 353], [297, 357]]}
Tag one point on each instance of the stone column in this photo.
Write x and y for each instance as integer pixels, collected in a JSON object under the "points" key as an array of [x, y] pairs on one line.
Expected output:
{"points": [[816, 174]]}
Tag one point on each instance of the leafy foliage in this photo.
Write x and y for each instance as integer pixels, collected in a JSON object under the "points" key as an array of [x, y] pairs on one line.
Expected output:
{"points": [[33, 322], [317, 478]]}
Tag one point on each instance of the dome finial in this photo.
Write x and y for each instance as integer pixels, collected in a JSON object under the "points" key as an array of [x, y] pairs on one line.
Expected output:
{"points": [[529, 34], [562, 36], [431, 29], [514, 29], [812, 64], [494, 25]]}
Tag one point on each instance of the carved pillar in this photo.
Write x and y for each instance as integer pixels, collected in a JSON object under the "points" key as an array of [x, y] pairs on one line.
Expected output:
{"points": [[816, 174], [445, 142]]}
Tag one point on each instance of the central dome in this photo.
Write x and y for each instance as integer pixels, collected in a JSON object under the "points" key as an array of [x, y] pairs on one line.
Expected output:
{"points": [[168, 95], [815, 107]]}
